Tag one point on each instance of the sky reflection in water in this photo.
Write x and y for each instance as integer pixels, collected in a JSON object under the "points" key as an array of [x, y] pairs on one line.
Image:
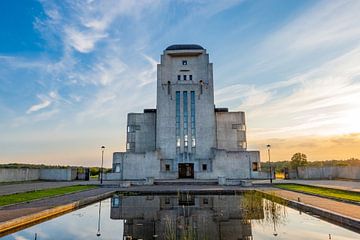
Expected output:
{"points": [[186, 217]]}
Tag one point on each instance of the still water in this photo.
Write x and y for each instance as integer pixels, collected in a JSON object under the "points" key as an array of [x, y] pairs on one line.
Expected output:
{"points": [[247, 216]]}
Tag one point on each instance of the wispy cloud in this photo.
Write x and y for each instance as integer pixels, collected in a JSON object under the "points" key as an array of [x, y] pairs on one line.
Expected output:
{"points": [[46, 101], [325, 102], [34, 108], [320, 99]]}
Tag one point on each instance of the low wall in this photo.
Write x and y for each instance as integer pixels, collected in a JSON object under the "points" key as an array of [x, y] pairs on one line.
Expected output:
{"points": [[18, 174], [347, 172], [58, 174], [33, 174]]}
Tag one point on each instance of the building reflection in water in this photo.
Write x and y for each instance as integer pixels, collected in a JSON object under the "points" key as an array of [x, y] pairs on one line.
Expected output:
{"points": [[189, 217]]}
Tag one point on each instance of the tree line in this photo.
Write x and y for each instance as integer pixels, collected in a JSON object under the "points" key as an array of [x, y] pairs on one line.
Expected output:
{"points": [[300, 159]]}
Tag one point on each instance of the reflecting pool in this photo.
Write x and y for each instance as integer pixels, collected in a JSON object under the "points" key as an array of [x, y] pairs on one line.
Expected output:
{"points": [[185, 216]]}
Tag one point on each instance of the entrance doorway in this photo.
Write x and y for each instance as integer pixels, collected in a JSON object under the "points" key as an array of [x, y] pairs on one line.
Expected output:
{"points": [[186, 170]]}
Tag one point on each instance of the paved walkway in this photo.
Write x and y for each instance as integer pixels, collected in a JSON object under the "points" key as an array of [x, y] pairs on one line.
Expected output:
{"points": [[12, 188], [346, 209], [337, 184], [11, 212]]}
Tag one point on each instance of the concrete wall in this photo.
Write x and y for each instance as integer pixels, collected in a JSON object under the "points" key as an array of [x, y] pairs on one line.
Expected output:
{"points": [[141, 132], [230, 131], [348, 172], [58, 174], [18, 174], [237, 165], [28, 174], [134, 166]]}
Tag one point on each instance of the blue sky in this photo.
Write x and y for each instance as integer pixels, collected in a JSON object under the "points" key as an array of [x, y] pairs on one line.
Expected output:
{"points": [[71, 70]]}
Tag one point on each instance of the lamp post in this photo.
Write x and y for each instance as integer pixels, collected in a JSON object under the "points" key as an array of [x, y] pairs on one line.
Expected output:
{"points": [[98, 233], [270, 172], [102, 164]]}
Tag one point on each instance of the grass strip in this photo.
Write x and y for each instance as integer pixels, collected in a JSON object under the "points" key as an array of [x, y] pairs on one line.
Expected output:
{"points": [[39, 194], [321, 191]]}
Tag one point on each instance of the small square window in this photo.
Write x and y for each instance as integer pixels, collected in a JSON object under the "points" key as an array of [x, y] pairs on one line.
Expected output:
{"points": [[179, 77], [255, 166], [190, 77], [115, 202], [184, 62], [167, 167], [184, 77], [204, 167], [130, 128]]}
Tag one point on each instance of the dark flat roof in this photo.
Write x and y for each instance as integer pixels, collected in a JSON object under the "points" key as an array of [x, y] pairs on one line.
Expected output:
{"points": [[221, 110], [185, 47]]}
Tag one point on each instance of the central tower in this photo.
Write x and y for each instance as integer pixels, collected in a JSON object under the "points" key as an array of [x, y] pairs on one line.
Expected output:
{"points": [[186, 128], [186, 136]]}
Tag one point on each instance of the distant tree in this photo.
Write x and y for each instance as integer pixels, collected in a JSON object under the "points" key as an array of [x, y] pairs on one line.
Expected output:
{"points": [[94, 171], [298, 160]]}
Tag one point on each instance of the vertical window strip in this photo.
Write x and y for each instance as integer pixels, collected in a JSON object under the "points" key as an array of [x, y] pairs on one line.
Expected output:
{"points": [[193, 129], [185, 113], [177, 119]]}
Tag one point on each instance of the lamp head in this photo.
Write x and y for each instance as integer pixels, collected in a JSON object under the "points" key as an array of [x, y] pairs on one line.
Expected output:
{"points": [[268, 146], [102, 147]]}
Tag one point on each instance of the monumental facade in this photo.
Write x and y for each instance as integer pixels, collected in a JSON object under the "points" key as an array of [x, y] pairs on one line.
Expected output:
{"points": [[186, 136]]}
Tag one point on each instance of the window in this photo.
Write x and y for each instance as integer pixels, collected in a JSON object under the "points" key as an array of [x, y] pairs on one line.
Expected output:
{"points": [[190, 77], [130, 128], [167, 200], [167, 167], [117, 168], [242, 144], [185, 113], [177, 119], [205, 201], [201, 86], [115, 202], [179, 77], [255, 166], [130, 146], [133, 128], [184, 77], [184, 62], [204, 167], [239, 127], [193, 143], [192, 111]]}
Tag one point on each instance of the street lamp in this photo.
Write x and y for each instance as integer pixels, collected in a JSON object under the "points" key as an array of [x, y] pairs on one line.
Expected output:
{"points": [[102, 164], [98, 234], [270, 172]]}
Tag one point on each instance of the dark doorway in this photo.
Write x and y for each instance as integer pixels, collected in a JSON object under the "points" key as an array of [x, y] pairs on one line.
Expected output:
{"points": [[186, 170]]}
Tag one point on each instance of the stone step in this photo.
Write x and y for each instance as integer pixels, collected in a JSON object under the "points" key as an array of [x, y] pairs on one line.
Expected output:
{"points": [[185, 182]]}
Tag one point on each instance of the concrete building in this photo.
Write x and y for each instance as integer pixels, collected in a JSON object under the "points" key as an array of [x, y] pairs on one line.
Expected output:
{"points": [[186, 136]]}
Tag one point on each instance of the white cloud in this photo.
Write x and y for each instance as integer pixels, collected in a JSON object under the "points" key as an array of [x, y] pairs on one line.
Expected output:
{"points": [[46, 101], [34, 108], [83, 42]]}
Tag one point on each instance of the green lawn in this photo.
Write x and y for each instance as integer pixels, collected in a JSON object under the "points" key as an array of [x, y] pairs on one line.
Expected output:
{"points": [[326, 192], [28, 196]]}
